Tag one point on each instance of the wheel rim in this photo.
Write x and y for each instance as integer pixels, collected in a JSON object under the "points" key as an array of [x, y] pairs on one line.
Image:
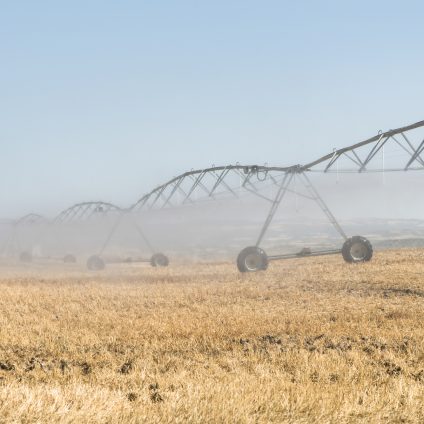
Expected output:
{"points": [[97, 265], [253, 261], [358, 251], [159, 260], [162, 262]]}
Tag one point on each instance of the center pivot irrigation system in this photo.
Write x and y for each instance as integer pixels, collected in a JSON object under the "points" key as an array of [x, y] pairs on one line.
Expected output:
{"points": [[232, 181]]}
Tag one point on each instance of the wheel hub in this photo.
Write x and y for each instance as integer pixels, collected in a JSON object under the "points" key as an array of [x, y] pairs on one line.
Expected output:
{"points": [[253, 262], [358, 251]]}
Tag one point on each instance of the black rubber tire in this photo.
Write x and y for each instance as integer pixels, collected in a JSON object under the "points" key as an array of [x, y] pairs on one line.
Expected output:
{"points": [[159, 260], [252, 259], [357, 249], [69, 259], [95, 263], [25, 257]]}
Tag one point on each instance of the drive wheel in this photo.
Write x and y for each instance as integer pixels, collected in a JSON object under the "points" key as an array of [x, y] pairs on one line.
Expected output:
{"points": [[159, 259], [252, 259], [357, 249], [69, 259], [95, 263]]}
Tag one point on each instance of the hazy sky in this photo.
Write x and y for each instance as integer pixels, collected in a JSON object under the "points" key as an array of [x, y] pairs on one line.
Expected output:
{"points": [[103, 100]]}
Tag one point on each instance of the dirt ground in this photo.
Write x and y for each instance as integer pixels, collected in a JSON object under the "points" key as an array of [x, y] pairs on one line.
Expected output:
{"points": [[311, 340]]}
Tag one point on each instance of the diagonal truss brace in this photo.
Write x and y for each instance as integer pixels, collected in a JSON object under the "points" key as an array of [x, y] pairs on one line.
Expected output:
{"points": [[320, 201], [415, 155], [314, 195], [115, 227], [275, 204]]}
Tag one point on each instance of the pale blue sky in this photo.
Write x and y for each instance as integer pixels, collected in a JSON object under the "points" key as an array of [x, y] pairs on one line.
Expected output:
{"points": [[103, 100]]}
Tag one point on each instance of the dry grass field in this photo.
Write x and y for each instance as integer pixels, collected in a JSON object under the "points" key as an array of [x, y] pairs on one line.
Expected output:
{"points": [[309, 341]]}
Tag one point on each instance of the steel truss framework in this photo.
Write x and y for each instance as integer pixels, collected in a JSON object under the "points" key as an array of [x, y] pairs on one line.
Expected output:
{"points": [[30, 219], [85, 211], [216, 182], [362, 155], [91, 210], [222, 182], [12, 243], [77, 213]]}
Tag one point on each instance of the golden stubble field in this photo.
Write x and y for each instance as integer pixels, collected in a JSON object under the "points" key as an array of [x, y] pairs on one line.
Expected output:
{"points": [[309, 341]]}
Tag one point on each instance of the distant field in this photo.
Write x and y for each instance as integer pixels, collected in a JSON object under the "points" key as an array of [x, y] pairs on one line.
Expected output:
{"points": [[311, 340]]}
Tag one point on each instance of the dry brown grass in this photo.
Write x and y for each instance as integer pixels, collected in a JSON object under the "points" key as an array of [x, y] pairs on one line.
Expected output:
{"points": [[311, 340]]}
